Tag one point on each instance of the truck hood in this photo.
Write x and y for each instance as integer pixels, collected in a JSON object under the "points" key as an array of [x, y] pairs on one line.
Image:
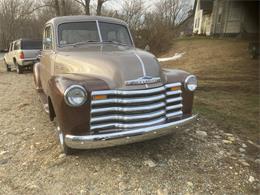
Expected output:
{"points": [[112, 63]]}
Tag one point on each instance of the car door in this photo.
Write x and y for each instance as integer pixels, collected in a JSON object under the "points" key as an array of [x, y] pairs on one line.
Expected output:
{"points": [[8, 55], [15, 52], [47, 57]]}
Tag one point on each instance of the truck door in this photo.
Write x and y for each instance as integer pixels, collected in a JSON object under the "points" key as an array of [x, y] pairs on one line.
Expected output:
{"points": [[47, 58]]}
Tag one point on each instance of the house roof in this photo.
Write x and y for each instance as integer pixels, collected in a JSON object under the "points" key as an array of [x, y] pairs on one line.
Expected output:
{"points": [[206, 5]]}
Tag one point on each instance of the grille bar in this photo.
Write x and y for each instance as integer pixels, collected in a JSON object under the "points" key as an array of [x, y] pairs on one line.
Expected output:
{"points": [[172, 100], [174, 114], [132, 92], [128, 126], [173, 92], [129, 100], [129, 109], [172, 85], [174, 107], [128, 117]]}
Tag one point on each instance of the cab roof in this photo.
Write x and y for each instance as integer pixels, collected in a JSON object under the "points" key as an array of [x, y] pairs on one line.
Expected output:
{"points": [[82, 18]]}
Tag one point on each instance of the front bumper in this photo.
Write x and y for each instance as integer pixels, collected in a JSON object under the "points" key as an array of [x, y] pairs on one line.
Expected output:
{"points": [[124, 137]]}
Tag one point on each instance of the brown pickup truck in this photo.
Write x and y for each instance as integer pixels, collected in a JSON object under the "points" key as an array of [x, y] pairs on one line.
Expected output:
{"points": [[102, 90]]}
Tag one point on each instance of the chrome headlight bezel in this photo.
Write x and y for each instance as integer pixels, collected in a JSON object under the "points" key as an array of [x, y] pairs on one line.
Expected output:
{"points": [[191, 83], [69, 100]]}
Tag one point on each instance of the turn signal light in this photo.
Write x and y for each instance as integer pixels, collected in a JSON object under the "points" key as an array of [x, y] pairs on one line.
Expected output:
{"points": [[99, 97], [175, 88], [21, 55]]}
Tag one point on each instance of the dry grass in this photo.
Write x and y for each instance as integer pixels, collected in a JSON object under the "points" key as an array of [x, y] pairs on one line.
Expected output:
{"points": [[228, 82]]}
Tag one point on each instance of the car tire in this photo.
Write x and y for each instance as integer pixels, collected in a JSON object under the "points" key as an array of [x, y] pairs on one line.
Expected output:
{"points": [[65, 149], [19, 69], [8, 68]]}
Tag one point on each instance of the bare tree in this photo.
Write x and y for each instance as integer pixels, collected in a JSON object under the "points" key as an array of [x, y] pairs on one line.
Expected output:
{"points": [[133, 12], [99, 6], [171, 12], [85, 4]]}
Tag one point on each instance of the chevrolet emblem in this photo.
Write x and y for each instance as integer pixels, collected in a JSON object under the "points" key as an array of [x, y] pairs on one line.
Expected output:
{"points": [[143, 80]]}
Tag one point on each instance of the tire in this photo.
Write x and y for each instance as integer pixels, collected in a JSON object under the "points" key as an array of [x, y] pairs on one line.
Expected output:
{"points": [[65, 149], [8, 68], [19, 69]]}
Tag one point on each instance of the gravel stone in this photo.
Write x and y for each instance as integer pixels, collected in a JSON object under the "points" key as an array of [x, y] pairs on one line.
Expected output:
{"points": [[244, 145], [202, 133], [227, 141], [251, 179], [150, 163]]}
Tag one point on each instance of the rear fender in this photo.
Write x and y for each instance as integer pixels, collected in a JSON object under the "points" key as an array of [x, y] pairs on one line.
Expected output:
{"points": [[36, 77]]}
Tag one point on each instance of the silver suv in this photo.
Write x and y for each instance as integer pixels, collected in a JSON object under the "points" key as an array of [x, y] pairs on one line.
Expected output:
{"points": [[22, 54]]}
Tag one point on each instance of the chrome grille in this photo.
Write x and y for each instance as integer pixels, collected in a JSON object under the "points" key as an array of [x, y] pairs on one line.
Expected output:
{"points": [[136, 108]]}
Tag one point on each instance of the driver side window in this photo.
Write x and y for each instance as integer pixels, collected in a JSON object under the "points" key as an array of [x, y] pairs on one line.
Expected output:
{"points": [[47, 41]]}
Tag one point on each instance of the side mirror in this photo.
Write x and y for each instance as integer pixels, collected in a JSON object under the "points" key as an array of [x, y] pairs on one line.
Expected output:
{"points": [[47, 42], [38, 58], [147, 48]]}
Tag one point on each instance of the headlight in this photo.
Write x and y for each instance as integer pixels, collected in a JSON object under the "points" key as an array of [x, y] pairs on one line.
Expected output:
{"points": [[75, 95], [191, 83]]}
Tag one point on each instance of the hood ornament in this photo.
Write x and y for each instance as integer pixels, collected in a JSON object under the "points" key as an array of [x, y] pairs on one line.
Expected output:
{"points": [[143, 80]]}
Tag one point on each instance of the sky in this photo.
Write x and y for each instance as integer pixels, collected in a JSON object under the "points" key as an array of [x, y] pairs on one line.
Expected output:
{"points": [[116, 4]]}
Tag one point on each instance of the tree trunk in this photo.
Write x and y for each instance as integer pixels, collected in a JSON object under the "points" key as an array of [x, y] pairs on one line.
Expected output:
{"points": [[99, 7], [57, 7], [87, 3], [63, 8]]}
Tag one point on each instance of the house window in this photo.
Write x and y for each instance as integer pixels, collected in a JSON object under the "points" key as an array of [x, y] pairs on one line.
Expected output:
{"points": [[197, 21], [219, 18], [220, 14]]}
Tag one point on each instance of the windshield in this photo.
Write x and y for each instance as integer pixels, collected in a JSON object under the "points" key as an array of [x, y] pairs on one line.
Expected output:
{"points": [[79, 33], [27, 45], [114, 33], [75, 32]]}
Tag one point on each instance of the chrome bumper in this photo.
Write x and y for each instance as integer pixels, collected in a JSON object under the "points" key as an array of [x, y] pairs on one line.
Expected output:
{"points": [[124, 137]]}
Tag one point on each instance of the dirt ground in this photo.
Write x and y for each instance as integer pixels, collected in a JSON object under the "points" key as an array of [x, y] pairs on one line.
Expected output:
{"points": [[229, 81], [199, 159]]}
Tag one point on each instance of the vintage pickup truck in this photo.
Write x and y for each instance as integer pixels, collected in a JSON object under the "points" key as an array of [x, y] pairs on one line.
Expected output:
{"points": [[102, 90]]}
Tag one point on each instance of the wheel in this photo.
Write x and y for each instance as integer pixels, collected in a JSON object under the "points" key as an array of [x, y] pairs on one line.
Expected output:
{"points": [[8, 68], [65, 149], [19, 69]]}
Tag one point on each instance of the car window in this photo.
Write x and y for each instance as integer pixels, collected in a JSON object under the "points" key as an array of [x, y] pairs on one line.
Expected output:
{"points": [[115, 32], [17, 45], [47, 38], [31, 44], [75, 32]]}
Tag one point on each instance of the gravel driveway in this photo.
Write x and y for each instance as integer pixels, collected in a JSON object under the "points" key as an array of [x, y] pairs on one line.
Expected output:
{"points": [[200, 159]]}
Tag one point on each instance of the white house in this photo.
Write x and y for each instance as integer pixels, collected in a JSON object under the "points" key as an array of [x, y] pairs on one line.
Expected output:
{"points": [[226, 17]]}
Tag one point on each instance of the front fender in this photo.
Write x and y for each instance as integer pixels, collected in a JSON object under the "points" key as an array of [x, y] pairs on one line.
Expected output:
{"points": [[72, 120], [173, 76]]}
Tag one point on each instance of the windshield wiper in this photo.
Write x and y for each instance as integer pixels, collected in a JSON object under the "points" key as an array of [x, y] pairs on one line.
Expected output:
{"points": [[115, 42], [79, 43]]}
